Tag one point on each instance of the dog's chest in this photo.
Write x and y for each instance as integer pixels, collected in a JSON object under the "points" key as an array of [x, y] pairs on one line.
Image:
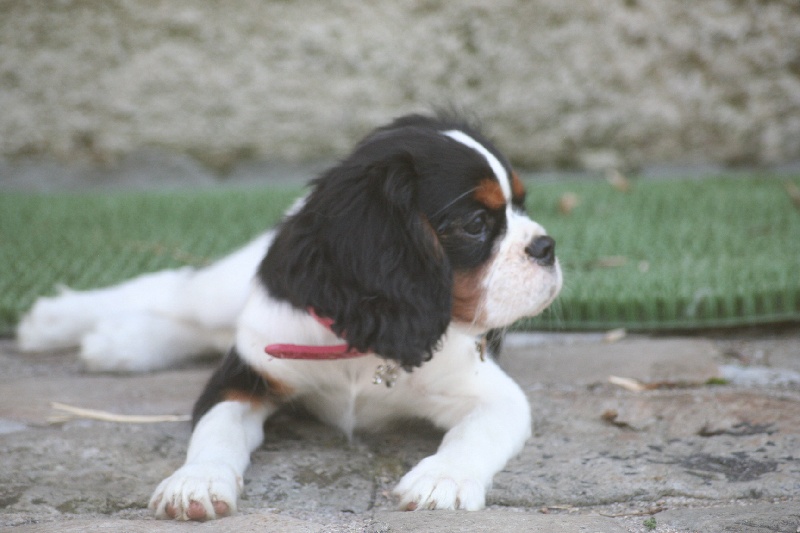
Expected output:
{"points": [[348, 395]]}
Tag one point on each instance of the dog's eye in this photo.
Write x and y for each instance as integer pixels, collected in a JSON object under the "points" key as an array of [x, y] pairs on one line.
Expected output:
{"points": [[476, 225]]}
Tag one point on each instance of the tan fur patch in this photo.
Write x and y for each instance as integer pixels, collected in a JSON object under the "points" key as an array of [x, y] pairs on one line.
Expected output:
{"points": [[242, 397], [490, 194], [467, 296], [277, 389], [517, 187]]}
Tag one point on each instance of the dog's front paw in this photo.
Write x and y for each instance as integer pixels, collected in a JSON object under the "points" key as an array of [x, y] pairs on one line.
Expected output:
{"points": [[437, 484], [199, 491]]}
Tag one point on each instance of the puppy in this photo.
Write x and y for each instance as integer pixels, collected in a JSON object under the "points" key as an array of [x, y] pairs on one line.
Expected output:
{"points": [[372, 303]]}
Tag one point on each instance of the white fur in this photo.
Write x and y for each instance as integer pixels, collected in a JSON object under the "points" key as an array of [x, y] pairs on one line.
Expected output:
{"points": [[516, 286], [219, 452], [150, 322], [498, 169], [158, 319], [485, 414]]}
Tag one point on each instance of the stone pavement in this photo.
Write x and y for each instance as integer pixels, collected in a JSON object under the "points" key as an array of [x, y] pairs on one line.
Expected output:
{"points": [[681, 454]]}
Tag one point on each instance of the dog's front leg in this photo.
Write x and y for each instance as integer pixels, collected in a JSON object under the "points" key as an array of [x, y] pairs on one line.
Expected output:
{"points": [[208, 484], [228, 425], [478, 444]]}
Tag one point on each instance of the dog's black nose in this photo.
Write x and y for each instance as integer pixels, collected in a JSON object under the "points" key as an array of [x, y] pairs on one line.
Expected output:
{"points": [[543, 250]]}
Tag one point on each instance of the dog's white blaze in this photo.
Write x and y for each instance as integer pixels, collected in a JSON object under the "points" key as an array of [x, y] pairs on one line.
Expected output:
{"points": [[498, 169]]}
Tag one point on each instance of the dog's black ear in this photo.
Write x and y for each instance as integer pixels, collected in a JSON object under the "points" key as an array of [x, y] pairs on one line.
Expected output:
{"points": [[360, 251]]}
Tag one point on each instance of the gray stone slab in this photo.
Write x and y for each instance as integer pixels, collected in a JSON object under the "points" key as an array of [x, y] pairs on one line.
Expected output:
{"points": [[709, 444], [30, 383], [778, 350], [757, 518], [235, 524], [30, 399], [490, 522], [691, 445], [580, 362]]}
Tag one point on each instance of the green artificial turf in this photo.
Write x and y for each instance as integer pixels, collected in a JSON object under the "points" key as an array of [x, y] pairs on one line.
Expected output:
{"points": [[664, 255], [675, 254]]}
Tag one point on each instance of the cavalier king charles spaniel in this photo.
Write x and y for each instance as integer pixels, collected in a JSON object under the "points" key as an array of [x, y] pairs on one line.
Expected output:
{"points": [[371, 301]]}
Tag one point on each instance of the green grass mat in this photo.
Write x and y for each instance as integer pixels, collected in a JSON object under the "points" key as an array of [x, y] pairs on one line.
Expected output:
{"points": [[665, 255]]}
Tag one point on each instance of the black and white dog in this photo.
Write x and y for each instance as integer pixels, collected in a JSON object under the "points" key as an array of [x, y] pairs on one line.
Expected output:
{"points": [[390, 271]]}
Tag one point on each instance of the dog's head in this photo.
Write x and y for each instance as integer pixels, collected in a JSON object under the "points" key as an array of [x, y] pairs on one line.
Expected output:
{"points": [[422, 225]]}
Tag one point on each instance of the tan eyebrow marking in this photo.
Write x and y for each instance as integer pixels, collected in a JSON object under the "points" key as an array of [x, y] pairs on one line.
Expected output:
{"points": [[490, 193]]}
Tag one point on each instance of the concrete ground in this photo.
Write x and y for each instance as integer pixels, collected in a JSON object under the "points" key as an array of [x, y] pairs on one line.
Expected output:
{"points": [[682, 455]]}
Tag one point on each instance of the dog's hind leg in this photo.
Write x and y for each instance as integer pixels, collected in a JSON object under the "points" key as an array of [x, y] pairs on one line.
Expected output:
{"points": [[151, 321], [62, 321]]}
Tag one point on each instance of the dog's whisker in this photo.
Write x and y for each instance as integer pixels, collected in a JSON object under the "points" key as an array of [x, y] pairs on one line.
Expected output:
{"points": [[453, 201]]}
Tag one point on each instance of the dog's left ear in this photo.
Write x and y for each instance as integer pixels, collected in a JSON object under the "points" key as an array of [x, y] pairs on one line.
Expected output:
{"points": [[359, 251]]}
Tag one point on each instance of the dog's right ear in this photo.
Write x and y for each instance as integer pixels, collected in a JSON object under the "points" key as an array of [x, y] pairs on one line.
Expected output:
{"points": [[359, 251]]}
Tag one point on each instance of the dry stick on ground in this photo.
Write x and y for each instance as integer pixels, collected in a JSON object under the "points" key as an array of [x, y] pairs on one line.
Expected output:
{"points": [[94, 414]]}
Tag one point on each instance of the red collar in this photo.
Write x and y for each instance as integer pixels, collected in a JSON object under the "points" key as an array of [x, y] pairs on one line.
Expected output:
{"points": [[313, 353]]}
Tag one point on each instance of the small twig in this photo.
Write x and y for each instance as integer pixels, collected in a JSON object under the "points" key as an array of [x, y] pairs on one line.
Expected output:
{"points": [[638, 386], [94, 414], [627, 383], [611, 416], [648, 512], [547, 508], [615, 335]]}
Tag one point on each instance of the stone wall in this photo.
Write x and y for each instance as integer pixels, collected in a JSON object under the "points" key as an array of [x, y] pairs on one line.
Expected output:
{"points": [[558, 84]]}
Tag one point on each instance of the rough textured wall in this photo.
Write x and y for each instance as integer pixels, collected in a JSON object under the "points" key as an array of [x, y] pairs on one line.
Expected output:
{"points": [[557, 83]]}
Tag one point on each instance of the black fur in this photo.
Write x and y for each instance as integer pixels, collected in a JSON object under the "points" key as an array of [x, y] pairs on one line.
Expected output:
{"points": [[376, 243], [232, 376]]}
